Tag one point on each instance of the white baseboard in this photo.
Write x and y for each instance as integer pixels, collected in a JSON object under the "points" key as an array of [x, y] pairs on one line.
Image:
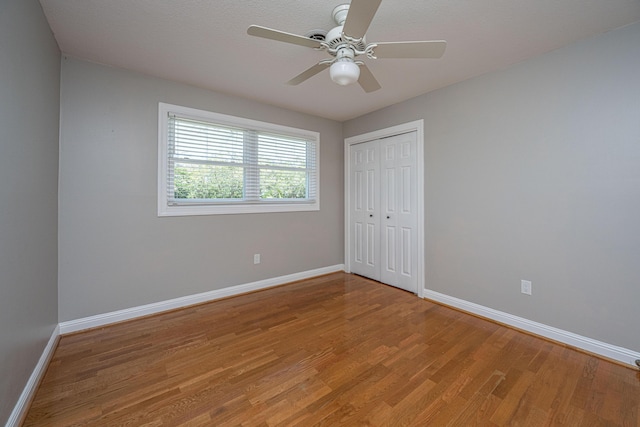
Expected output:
{"points": [[610, 351], [20, 410], [145, 310]]}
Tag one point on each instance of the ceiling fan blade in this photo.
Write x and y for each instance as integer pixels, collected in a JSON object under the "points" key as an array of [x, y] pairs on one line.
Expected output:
{"points": [[367, 81], [281, 36], [422, 49], [359, 17], [308, 74]]}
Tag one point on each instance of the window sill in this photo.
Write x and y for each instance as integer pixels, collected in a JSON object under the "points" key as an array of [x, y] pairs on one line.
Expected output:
{"points": [[185, 210]]}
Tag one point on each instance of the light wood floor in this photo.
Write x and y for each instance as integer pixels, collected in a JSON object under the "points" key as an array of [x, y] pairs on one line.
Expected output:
{"points": [[337, 350]]}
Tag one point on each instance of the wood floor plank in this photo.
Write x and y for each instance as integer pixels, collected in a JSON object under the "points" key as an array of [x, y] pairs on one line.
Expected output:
{"points": [[329, 351]]}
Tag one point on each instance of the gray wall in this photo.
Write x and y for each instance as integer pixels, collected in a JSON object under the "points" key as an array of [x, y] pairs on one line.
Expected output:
{"points": [[29, 107], [534, 173], [115, 252]]}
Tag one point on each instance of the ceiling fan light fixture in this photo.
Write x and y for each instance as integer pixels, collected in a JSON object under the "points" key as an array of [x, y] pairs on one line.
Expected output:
{"points": [[346, 42], [344, 72]]}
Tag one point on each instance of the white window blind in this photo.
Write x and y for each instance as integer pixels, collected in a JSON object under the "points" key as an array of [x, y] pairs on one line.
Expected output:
{"points": [[234, 165]]}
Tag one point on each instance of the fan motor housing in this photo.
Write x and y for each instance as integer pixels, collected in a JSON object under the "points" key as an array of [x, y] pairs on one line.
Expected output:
{"points": [[334, 39]]}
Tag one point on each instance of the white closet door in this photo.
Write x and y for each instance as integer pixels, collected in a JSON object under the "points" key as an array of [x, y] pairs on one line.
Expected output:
{"points": [[398, 197], [364, 215], [383, 215]]}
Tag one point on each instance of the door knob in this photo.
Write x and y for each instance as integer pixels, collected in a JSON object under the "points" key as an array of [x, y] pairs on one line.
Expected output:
{"points": [[370, 215], [388, 217]]}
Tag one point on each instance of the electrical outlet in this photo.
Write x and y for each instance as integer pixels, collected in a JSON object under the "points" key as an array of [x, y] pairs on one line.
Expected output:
{"points": [[525, 287], [256, 258]]}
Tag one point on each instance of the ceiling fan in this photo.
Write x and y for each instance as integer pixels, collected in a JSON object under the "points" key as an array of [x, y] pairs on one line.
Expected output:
{"points": [[347, 41]]}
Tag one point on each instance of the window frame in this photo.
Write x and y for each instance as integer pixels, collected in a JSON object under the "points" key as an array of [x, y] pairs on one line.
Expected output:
{"points": [[228, 207]]}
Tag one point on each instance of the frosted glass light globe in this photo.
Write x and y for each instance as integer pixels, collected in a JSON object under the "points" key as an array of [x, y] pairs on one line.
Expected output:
{"points": [[344, 72]]}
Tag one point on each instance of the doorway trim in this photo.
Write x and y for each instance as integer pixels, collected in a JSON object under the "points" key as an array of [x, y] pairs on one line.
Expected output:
{"points": [[418, 127]]}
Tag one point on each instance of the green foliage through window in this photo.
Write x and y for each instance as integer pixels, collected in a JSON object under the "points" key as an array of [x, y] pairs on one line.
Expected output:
{"points": [[275, 184], [207, 182]]}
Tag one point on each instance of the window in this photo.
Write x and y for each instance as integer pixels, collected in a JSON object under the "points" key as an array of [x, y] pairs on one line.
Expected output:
{"points": [[211, 163]]}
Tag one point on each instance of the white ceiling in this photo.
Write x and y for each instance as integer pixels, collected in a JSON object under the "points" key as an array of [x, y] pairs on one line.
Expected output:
{"points": [[204, 42]]}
